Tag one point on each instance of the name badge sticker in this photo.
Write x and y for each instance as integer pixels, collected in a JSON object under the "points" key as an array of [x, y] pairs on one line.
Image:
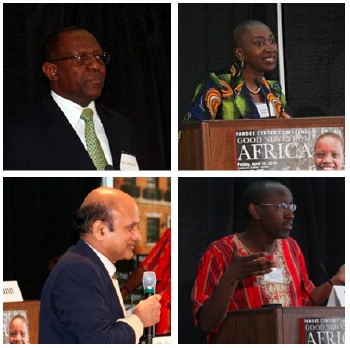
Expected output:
{"points": [[275, 276], [263, 110], [128, 162]]}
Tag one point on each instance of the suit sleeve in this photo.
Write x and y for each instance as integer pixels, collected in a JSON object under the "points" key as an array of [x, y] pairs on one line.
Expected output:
{"points": [[85, 303]]}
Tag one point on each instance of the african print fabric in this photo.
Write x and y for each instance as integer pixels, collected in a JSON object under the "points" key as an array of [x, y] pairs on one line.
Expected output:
{"points": [[224, 95]]}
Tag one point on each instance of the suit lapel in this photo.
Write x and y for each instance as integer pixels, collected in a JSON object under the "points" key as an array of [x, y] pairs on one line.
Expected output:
{"points": [[85, 250], [62, 133]]}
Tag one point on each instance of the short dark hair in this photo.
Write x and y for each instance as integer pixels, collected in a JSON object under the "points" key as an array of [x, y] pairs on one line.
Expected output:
{"points": [[52, 42], [257, 192], [87, 215]]}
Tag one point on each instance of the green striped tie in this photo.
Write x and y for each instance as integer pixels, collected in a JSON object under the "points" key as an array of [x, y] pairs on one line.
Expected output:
{"points": [[92, 143]]}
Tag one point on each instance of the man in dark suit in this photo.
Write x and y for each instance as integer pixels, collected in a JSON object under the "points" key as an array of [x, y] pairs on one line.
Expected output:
{"points": [[51, 135], [79, 302]]}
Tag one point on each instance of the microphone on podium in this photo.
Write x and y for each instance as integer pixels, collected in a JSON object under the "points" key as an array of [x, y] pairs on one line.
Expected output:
{"points": [[149, 281], [257, 81], [322, 268]]}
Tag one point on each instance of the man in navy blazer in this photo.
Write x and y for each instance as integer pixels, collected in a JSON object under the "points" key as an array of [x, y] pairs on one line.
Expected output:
{"points": [[79, 302], [50, 135]]}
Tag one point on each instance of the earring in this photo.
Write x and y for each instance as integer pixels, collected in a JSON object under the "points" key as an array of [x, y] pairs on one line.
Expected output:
{"points": [[242, 64]]}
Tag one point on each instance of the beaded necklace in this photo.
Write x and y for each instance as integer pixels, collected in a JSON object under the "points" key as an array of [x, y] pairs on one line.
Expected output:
{"points": [[253, 92]]}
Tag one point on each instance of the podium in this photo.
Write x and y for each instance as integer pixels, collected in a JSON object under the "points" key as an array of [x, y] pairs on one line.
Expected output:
{"points": [[271, 325], [264, 144]]}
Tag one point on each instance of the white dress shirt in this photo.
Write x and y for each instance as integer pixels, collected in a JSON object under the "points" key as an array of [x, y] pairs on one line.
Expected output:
{"points": [[132, 320], [73, 111]]}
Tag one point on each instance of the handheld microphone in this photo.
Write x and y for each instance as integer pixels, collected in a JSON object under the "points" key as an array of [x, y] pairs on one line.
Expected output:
{"points": [[109, 167], [322, 268], [149, 281], [257, 81]]}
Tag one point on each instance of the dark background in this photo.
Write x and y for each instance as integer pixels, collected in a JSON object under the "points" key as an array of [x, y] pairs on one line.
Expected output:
{"points": [[210, 208], [138, 76], [38, 215], [314, 51]]}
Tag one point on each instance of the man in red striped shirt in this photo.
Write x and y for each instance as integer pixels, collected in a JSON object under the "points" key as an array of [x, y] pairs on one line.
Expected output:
{"points": [[261, 265]]}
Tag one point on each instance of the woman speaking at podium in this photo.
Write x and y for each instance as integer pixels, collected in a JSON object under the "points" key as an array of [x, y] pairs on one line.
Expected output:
{"points": [[242, 91]]}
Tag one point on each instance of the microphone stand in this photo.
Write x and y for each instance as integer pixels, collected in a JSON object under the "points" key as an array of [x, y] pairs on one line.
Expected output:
{"points": [[257, 81]]}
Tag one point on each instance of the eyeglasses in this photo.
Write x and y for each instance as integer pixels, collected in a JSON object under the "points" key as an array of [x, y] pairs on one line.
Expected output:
{"points": [[86, 59], [282, 206]]}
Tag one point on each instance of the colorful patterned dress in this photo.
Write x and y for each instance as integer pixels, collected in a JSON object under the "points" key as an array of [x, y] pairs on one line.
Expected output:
{"points": [[223, 95]]}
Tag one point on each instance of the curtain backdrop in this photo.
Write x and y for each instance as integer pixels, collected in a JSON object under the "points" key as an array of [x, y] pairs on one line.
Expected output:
{"points": [[38, 215], [138, 77], [314, 45], [210, 208]]}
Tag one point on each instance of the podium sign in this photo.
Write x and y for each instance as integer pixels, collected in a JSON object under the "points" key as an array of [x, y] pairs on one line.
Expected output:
{"points": [[279, 148], [324, 330], [272, 144], [271, 325]]}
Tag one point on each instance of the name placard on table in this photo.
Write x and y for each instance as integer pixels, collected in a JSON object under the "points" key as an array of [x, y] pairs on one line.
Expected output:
{"points": [[337, 296], [11, 291]]}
